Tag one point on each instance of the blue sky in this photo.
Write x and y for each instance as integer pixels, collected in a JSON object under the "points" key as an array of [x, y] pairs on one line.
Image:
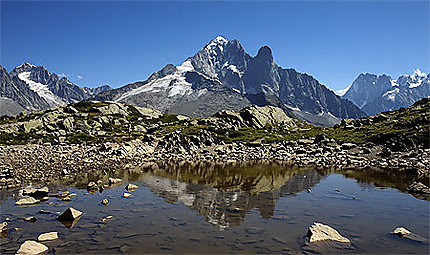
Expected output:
{"points": [[116, 43]]}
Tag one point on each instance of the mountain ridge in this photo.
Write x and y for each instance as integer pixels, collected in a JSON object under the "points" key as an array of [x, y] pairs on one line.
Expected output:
{"points": [[377, 93], [223, 65], [33, 87]]}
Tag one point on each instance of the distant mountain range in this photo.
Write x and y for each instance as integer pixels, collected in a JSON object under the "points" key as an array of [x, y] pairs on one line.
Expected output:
{"points": [[29, 87], [378, 93], [222, 76]]}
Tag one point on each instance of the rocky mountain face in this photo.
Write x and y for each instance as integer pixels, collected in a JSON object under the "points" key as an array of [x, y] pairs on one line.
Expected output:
{"points": [[379, 93], [222, 76], [35, 88]]}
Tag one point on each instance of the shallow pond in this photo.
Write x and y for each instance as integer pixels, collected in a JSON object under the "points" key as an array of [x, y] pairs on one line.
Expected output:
{"points": [[205, 208]]}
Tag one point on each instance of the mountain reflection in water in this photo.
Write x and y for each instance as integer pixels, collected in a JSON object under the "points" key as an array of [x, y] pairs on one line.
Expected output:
{"points": [[225, 195]]}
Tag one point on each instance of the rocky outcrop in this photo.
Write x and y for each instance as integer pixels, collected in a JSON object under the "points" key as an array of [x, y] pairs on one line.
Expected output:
{"points": [[35, 88]]}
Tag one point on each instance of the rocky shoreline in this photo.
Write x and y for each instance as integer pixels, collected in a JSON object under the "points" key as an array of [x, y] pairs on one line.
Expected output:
{"points": [[47, 163]]}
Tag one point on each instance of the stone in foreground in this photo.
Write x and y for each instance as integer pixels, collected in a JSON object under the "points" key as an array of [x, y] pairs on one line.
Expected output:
{"points": [[45, 237], [131, 187], [27, 201], [127, 195], [319, 232], [32, 248]]}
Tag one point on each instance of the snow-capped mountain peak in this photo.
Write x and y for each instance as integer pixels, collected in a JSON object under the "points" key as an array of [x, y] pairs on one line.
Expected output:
{"points": [[219, 41], [377, 93]]}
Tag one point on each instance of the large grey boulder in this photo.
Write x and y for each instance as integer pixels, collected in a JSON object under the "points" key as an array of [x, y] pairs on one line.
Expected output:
{"points": [[259, 117], [113, 109]]}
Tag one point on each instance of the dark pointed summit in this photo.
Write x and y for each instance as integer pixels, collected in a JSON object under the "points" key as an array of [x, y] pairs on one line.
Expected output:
{"points": [[265, 53]]}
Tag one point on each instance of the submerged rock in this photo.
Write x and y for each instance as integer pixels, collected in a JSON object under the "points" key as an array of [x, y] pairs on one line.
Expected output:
{"points": [[319, 232], [45, 237], [131, 187], [404, 233], [32, 248], [27, 201], [105, 201]]}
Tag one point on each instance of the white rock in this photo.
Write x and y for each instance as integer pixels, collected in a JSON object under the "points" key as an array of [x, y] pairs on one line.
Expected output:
{"points": [[401, 231], [32, 248], [51, 236], [320, 232], [131, 187], [127, 195], [27, 201]]}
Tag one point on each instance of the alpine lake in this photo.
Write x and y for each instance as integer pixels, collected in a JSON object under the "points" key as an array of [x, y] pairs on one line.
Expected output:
{"points": [[254, 207]]}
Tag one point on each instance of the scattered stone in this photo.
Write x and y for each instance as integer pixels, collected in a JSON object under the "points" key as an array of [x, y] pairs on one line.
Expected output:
{"points": [[404, 233], [27, 201], [320, 232], [92, 186], [45, 212], [338, 190], [348, 146], [60, 194], [107, 218], [3, 227], [70, 214], [66, 199], [309, 190], [131, 187], [42, 192], [127, 195], [30, 219], [105, 201], [419, 188], [401, 232], [32, 248], [113, 181], [46, 237]]}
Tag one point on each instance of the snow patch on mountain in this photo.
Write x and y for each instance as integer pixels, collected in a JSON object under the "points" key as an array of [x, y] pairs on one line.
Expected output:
{"points": [[391, 95], [342, 92], [41, 89], [173, 84]]}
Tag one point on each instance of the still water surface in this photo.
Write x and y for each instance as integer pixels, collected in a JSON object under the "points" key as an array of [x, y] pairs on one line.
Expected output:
{"points": [[203, 208]]}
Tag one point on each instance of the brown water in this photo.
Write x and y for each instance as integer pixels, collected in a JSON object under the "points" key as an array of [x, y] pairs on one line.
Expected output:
{"points": [[230, 209]]}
